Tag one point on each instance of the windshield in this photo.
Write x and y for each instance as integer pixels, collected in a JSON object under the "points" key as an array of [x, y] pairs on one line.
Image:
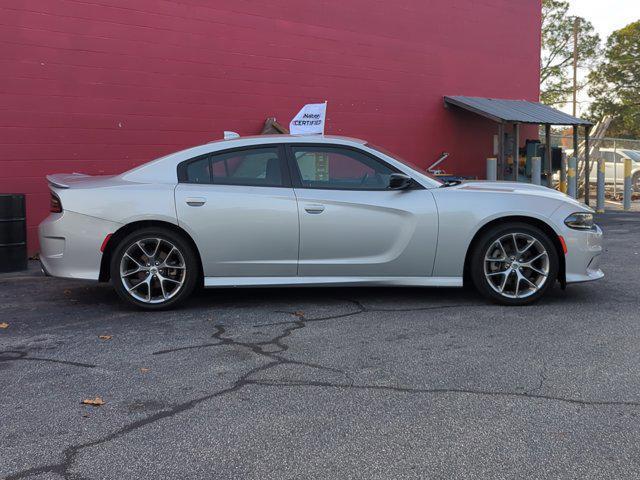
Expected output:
{"points": [[632, 154], [409, 164]]}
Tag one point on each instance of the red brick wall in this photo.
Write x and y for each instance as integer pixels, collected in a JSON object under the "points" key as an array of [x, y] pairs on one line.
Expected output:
{"points": [[100, 86]]}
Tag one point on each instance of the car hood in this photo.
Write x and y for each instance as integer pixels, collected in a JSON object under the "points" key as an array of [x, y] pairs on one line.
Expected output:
{"points": [[517, 188]]}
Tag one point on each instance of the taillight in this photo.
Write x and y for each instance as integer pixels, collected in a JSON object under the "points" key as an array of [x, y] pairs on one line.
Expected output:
{"points": [[55, 206]]}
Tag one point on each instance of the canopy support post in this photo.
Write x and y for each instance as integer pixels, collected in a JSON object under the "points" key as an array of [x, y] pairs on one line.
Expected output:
{"points": [[501, 159], [516, 150], [586, 164], [547, 168], [575, 155]]}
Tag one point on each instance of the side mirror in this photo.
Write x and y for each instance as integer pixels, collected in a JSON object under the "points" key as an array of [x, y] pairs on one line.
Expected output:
{"points": [[399, 181]]}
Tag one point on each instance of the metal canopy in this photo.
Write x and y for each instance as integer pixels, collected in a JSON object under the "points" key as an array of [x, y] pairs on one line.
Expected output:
{"points": [[514, 111]]}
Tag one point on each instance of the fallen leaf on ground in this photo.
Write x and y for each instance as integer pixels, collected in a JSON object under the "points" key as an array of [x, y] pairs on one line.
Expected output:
{"points": [[4, 325], [105, 337], [96, 402], [144, 370], [67, 291], [299, 313]]}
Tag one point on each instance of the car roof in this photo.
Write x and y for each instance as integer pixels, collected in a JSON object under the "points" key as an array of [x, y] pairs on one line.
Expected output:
{"points": [[259, 139], [621, 151], [162, 170]]}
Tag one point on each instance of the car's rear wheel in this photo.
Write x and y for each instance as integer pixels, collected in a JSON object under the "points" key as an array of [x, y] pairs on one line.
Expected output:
{"points": [[154, 269], [514, 264]]}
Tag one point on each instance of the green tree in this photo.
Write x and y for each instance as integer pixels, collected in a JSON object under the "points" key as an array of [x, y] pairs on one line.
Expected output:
{"points": [[556, 77], [615, 83]]}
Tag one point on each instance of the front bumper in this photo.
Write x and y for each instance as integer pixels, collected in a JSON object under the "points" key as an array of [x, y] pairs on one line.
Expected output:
{"points": [[70, 244], [584, 250]]}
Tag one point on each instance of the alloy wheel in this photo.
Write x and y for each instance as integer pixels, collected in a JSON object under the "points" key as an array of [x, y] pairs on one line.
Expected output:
{"points": [[153, 270], [516, 265]]}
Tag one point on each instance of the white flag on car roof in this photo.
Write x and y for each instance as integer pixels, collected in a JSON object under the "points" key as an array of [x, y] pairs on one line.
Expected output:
{"points": [[309, 120]]}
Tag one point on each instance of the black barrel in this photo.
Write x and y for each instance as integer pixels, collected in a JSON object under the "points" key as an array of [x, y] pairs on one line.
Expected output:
{"points": [[13, 232]]}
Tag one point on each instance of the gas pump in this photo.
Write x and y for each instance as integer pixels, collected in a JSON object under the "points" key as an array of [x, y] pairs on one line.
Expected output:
{"points": [[532, 148]]}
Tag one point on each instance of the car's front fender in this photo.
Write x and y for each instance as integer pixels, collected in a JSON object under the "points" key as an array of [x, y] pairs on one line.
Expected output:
{"points": [[463, 213]]}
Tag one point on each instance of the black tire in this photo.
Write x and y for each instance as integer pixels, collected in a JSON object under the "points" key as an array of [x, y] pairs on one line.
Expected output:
{"points": [[488, 241], [186, 256]]}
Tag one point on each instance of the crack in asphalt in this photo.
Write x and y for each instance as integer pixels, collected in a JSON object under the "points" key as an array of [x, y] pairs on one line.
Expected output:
{"points": [[543, 378], [13, 355], [275, 359], [361, 308], [190, 347], [398, 389], [70, 453]]}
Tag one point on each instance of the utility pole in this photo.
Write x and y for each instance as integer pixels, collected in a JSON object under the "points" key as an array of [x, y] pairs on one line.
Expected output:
{"points": [[576, 27]]}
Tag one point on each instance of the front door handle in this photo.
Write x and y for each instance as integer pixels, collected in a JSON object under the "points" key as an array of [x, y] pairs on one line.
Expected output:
{"points": [[314, 209], [195, 201]]}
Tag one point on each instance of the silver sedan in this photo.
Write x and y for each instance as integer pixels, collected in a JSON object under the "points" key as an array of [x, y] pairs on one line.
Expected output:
{"points": [[321, 210]]}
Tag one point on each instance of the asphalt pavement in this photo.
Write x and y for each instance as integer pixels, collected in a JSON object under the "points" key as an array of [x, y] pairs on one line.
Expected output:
{"points": [[339, 383]]}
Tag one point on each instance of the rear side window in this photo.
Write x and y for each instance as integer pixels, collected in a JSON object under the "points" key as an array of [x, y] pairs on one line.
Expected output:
{"points": [[197, 171], [258, 166], [251, 167]]}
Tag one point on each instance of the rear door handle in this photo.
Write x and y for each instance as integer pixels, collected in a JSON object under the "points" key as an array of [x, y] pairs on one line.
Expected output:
{"points": [[195, 201], [314, 209]]}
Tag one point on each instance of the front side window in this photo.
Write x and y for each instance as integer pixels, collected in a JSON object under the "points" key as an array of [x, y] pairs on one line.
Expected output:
{"points": [[251, 167], [608, 156], [340, 169]]}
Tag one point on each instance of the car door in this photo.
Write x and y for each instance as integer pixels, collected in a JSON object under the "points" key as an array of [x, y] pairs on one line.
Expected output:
{"points": [[609, 165], [240, 209], [618, 171], [351, 223]]}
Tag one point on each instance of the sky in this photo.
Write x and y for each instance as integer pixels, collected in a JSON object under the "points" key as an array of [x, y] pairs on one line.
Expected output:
{"points": [[606, 17]]}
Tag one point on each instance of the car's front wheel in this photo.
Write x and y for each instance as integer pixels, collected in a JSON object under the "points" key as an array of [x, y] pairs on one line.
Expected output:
{"points": [[514, 264], [154, 268]]}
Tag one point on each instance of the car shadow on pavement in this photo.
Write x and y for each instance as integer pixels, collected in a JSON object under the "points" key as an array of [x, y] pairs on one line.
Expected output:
{"points": [[102, 295]]}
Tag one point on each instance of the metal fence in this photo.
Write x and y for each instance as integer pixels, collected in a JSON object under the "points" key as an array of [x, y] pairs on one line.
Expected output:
{"points": [[614, 151]]}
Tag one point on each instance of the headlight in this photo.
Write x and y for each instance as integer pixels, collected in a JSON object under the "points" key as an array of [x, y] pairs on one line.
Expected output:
{"points": [[580, 221]]}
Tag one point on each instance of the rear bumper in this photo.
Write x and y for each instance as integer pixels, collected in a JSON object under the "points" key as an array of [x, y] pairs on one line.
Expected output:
{"points": [[584, 250], [70, 244]]}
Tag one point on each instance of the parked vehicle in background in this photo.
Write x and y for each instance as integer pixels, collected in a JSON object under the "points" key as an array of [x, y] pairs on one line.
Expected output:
{"points": [[314, 210], [614, 166]]}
